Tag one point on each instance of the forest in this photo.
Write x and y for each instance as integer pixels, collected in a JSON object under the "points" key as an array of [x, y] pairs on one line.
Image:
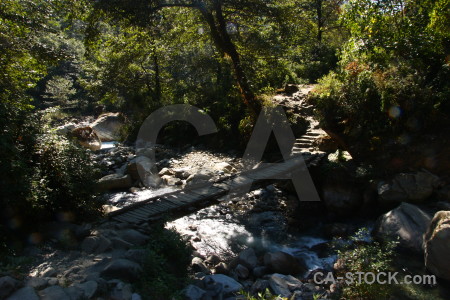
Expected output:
{"points": [[365, 87]]}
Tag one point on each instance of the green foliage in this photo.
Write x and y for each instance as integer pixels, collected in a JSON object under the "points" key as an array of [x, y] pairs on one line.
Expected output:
{"points": [[366, 257], [392, 81], [267, 295], [166, 265]]}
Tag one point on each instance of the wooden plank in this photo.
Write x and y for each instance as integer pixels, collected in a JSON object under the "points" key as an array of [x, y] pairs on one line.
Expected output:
{"points": [[133, 214], [151, 210]]}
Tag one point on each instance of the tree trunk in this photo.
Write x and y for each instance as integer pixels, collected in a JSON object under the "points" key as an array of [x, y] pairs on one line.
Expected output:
{"points": [[319, 7], [157, 77], [225, 45]]}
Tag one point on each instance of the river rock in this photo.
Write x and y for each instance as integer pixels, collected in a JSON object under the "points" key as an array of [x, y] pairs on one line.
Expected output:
{"points": [[241, 272], [408, 223], [95, 244], [7, 286], [133, 236], [198, 266], [114, 182], [123, 269], [108, 126], [437, 245], [284, 263], [142, 169], [248, 258], [87, 138], [201, 177], [284, 285], [136, 255], [166, 171], [89, 288], [224, 167], [408, 187], [170, 180], [37, 282], [259, 286], [53, 293], [229, 284], [25, 293], [65, 129], [49, 272], [192, 292]]}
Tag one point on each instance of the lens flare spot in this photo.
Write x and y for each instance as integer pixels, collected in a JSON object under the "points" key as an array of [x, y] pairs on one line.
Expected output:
{"points": [[395, 112], [35, 238]]}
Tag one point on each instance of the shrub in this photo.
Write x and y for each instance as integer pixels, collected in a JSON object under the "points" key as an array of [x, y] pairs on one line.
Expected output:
{"points": [[366, 257], [166, 265], [43, 177]]}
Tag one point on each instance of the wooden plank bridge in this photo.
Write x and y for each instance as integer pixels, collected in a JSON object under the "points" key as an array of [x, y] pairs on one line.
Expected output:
{"points": [[190, 199]]}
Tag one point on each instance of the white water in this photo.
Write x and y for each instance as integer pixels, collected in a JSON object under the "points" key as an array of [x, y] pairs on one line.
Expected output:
{"points": [[109, 145], [211, 232]]}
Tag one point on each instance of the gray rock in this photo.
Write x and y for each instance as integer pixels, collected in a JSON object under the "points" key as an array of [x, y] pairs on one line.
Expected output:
{"points": [[192, 292], [7, 286], [412, 187], [49, 272], [198, 266], [259, 271], [89, 288], [437, 245], [248, 258], [284, 263], [108, 126], [135, 296], [74, 293], [229, 284], [114, 182], [142, 169], [95, 244], [408, 223], [134, 237], [259, 286], [241, 272], [123, 269], [37, 282], [54, 293], [165, 171], [221, 268], [284, 285], [25, 293], [170, 180], [120, 244], [136, 255]]}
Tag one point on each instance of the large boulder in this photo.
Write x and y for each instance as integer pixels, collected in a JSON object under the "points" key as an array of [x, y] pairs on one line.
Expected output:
{"points": [[143, 169], [437, 245], [25, 293], [87, 138], [408, 187], [248, 258], [114, 182], [7, 286], [407, 223], [108, 126], [284, 263]]}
